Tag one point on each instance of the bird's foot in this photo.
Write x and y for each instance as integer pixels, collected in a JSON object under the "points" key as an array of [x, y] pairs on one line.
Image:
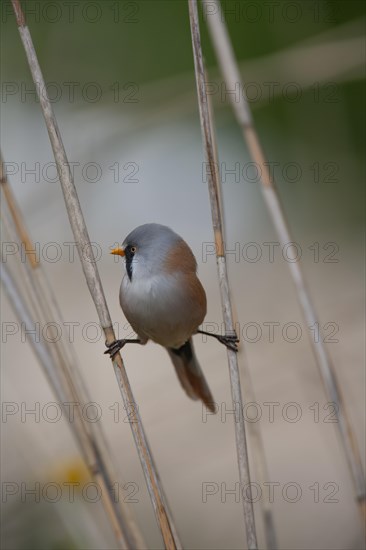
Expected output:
{"points": [[114, 347], [229, 340]]}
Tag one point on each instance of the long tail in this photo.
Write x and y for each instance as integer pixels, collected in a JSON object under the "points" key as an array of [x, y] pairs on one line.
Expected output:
{"points": [[190, 374]]}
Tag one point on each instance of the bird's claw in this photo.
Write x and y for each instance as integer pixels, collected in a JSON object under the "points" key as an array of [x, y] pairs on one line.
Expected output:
{"points": [[114, 347], [230, 341]]}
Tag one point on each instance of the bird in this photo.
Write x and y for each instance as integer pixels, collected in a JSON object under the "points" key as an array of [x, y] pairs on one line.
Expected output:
{"points": [[164, 301]]}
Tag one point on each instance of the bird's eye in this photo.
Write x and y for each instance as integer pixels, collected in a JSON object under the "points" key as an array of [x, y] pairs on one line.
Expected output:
{"points": [[133, 249]]}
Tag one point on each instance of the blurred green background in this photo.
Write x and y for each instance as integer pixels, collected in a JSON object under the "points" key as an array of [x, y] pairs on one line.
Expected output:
{"points": [[130, 66]]}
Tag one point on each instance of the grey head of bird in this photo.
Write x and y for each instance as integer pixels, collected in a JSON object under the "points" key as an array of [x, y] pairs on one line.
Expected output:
{"points": [[152, 249]]}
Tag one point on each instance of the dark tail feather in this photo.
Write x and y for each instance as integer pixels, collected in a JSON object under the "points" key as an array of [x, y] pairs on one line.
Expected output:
{"points": [[190, 374]]}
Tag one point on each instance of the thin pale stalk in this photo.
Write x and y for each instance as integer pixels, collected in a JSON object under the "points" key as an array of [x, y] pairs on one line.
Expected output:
{"points": [[259, 455], [162, 514], [229, 68], [59, 381], [100, 445], [260, 462], [89, 435], [46, 360], [46, 309], [214, 186]]}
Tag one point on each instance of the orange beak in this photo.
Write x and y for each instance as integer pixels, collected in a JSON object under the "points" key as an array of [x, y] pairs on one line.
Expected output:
{"points": [[118, 251]]}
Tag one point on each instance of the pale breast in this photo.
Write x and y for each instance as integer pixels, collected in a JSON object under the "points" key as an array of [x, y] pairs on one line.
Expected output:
{"points": [[167, 309]]}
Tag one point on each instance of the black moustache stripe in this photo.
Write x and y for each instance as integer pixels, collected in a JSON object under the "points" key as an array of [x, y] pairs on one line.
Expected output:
{"points": [[129, 256]]}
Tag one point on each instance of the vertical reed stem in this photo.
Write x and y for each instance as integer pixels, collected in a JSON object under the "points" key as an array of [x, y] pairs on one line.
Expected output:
{"points": [[91, 273], [89, 436], [230, 71], [214, 186]]}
